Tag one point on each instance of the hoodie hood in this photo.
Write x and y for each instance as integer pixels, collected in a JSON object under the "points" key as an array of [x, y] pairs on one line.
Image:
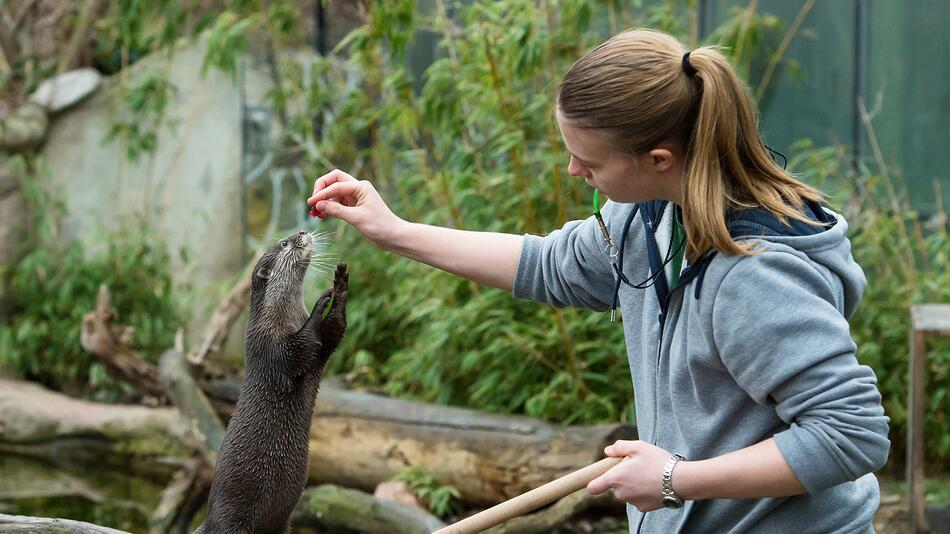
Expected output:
{"points": [[831, 250]]}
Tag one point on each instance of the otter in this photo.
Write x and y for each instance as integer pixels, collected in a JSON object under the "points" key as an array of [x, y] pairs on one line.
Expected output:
{"points": [[262, 467]]}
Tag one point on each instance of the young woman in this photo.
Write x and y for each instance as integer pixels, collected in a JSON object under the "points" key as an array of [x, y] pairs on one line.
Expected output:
{"points": [[753, 412]]}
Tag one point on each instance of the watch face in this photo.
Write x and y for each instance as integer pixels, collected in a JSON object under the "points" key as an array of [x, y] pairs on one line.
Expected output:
{"points": [[672, 502]]}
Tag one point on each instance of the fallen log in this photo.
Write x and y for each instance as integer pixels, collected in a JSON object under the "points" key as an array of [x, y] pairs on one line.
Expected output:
{"points": [[334, 507], [41, 423], [360, 439], [182, 498], [41, 525], [188, 490], [357, 440]]}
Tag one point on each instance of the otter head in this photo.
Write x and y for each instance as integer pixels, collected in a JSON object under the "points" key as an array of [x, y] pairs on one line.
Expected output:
{"points": [[277, 280]]}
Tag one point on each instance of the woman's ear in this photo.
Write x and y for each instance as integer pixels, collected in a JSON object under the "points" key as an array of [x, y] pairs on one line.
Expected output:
{"points": [[662, 159]]}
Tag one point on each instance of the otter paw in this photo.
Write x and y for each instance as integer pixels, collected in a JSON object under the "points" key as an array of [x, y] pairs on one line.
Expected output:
{"points": [[341, 288], [334, 323]]}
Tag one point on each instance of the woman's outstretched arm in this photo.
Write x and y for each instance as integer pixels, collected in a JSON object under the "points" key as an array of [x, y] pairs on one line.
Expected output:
{"points": [[485, 257]]}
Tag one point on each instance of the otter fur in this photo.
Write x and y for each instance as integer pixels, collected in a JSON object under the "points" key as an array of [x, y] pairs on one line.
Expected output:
{"points": [[262, 467]]}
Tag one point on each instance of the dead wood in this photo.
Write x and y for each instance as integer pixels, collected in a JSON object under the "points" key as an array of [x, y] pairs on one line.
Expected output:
{"points": [[112, 344]]}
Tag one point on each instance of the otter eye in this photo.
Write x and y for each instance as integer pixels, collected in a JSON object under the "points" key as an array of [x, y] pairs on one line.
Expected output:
{"points": [[264, 273], [284, 243]]}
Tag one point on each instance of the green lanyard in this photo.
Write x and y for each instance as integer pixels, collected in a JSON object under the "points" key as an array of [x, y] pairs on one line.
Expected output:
{"points": [[609, 248]]}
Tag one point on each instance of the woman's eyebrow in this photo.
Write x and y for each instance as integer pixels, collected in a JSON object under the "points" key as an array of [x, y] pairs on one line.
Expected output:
{"points": [[580, 159]]}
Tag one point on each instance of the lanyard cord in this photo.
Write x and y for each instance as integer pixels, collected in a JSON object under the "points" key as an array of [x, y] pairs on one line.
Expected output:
{"points": [[651, 280], [615, 255], [671, 251]]}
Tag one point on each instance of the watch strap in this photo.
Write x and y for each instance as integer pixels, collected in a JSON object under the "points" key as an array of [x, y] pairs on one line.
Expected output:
{"points": [[669, 496]]}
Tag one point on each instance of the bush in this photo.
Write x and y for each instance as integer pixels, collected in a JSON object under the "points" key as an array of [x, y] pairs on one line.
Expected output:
{"points": [[56, 283]]}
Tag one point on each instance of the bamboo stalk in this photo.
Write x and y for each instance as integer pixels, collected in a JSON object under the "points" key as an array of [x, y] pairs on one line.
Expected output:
{"points": [[780, 52]]}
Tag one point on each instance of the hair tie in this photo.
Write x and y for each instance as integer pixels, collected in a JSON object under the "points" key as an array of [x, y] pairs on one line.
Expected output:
{"points": [[687, 68]]}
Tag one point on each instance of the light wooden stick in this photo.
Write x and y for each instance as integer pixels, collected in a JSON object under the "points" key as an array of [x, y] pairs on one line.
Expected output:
{"points": [[531, 500]]}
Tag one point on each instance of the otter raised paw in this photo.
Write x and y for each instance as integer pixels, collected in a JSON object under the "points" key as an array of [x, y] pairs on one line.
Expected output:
{"points": [[262, 468]]}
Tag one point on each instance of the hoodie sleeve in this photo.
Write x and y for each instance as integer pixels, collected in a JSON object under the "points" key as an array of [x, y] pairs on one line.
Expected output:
{"points": [[568, 267], [781, 335]]}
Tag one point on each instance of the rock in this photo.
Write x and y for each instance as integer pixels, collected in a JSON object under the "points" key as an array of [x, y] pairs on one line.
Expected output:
{"points": [[63, 91], [24, 128]]}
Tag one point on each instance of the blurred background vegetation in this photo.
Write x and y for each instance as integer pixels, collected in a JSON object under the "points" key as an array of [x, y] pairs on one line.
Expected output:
{"points": [[446, 107]]}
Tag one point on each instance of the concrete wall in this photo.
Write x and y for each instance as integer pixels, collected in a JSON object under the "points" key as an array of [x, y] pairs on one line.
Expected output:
{"points": [[190, 188]]}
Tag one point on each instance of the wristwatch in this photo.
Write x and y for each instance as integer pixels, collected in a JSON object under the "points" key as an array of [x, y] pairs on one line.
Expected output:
{"points": [[670, 499]]}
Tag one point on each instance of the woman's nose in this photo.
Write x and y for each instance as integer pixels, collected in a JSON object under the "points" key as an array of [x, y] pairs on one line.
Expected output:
{"points": [[576, 169]]}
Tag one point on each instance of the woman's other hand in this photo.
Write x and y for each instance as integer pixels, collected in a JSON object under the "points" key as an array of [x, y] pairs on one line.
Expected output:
{"points": [[638, 479]]}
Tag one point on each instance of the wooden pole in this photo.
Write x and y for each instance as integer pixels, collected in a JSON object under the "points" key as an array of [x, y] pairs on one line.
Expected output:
{"points": [[915, 433], [925, 320], [531, 500]]}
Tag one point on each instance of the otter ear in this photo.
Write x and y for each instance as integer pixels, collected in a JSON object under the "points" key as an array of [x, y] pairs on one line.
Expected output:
{"points": [[264, 272]]}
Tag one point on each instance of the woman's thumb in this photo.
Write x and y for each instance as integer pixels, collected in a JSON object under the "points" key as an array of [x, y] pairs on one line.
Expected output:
{"points": [[333, 209]]}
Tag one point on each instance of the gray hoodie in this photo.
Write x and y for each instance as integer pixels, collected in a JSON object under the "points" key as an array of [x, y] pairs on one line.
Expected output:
{"points": [[750, 348]]}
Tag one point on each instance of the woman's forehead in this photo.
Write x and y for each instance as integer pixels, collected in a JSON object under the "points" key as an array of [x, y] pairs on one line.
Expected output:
{"points": [[584, 143]]}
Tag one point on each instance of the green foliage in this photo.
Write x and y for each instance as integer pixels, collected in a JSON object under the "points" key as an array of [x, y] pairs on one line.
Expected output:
{"points": [[56, 283], [142, 109], [465, 152], [441, 500], [227, 40], [131, 29]]}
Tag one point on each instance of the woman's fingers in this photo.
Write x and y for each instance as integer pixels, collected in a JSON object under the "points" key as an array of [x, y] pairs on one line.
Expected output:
{"points": [[339, 191], [623, 448], [602, 483], [332, 177], [334, 209]]}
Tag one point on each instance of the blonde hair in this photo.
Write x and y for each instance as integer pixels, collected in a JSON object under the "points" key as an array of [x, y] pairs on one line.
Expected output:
{"points": [[635, 86]]}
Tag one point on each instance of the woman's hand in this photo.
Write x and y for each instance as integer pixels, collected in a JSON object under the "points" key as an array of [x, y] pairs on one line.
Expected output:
{"points": [[638, 479], [357, 202]]}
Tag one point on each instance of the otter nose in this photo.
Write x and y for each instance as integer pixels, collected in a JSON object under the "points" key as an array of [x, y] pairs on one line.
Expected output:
{"points": [[300, 239]]}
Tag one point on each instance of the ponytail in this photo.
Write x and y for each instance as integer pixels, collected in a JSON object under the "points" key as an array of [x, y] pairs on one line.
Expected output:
{"points": [[727, 165], [644, 88]]}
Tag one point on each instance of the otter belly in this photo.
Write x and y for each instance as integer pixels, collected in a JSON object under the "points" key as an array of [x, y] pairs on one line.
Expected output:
{"points": [[262, 468]]}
